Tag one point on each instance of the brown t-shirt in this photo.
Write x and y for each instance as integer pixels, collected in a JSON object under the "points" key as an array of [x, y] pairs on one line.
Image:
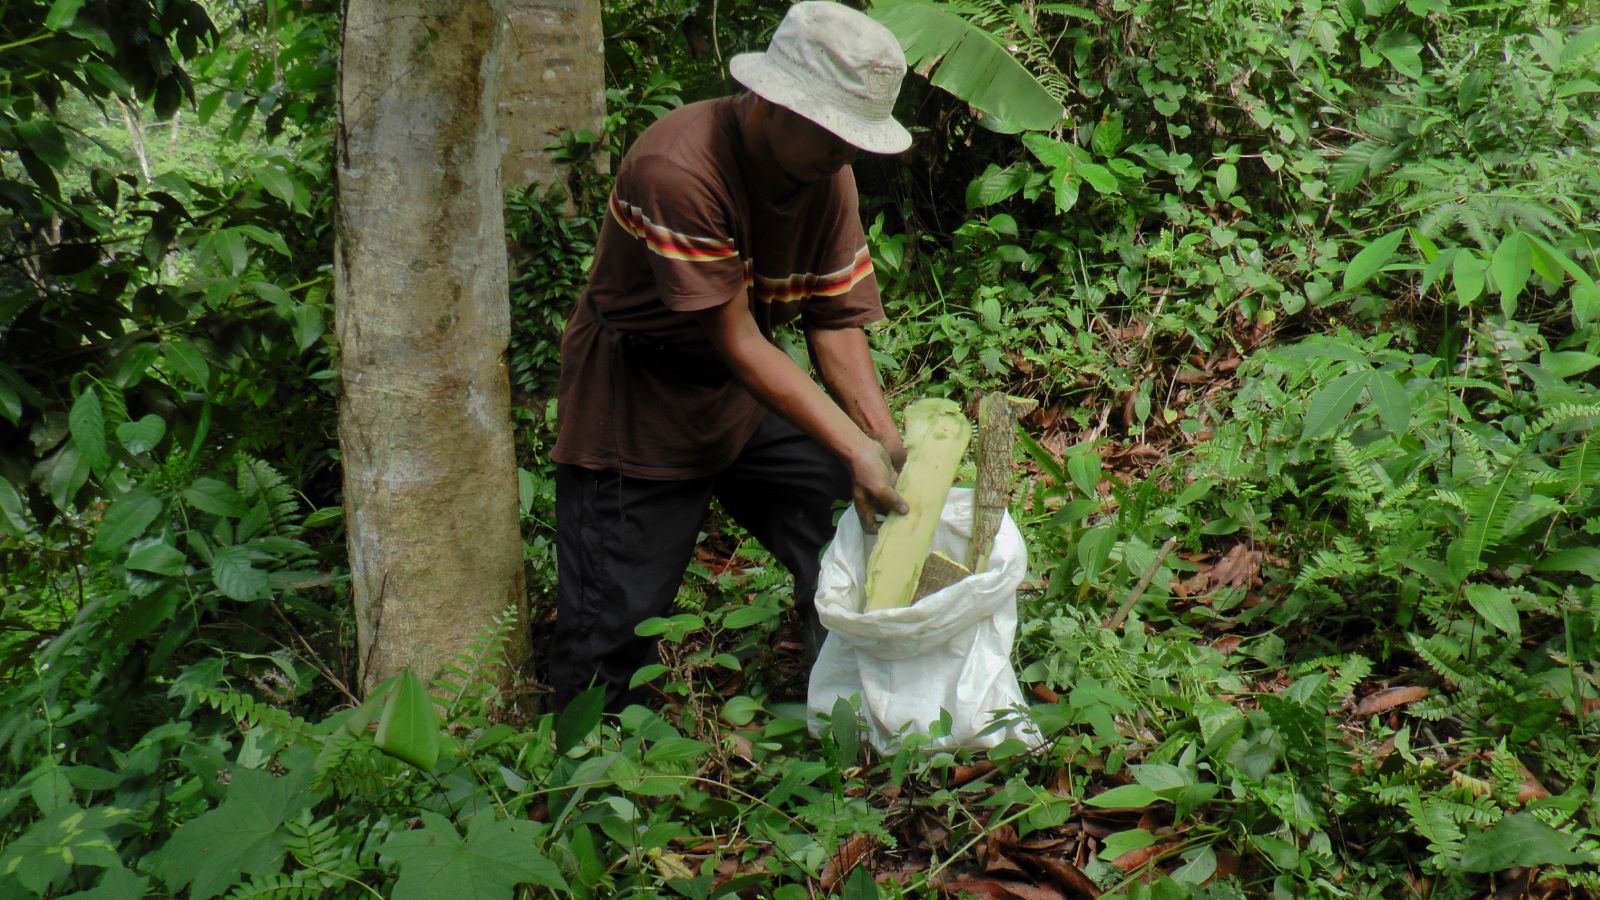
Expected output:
{"points": [[688, 230]]}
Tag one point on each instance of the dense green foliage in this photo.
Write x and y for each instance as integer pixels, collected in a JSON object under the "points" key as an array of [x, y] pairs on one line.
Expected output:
{"points": [[1306, 289]]}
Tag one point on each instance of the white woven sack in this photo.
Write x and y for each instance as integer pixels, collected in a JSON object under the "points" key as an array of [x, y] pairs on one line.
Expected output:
{"points": [[949, 651]]}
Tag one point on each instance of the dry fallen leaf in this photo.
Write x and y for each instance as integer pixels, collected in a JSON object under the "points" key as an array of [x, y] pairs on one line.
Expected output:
{"points": [[1389, 698], [845, 860]]}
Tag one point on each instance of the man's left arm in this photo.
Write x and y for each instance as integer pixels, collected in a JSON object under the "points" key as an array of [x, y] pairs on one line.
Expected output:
{"points": [[844, 360]]}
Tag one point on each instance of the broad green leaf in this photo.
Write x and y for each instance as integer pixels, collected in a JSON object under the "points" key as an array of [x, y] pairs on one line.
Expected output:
{"points": [[228, 245], [126, 518], [266, 238], [995, 185], [1403, 50], [242, 837], [969, 62], [1128, 796], [647, 674], [1199, 869], [308, 325], [10, 403], [1585, 305], [1511, 265], [741, 710], [62, 14], [495, 857], [1577, 86], [1107, 137], [11, 517], [1099, 177], [185, 359], [155, 555], [1571, 559], [1468, 276], [235, 576], [216, 497], [143, 435], [1495, 607], [45, 853], [1227, 180], [1124, 841], [574, 723], [753, 614], [68, 471], [1084, 466], [1520, 840], [1567, 363], [87, 422], [1332, 404], [276, 182], [1371, 259], [408, 729], [1394, 406]]}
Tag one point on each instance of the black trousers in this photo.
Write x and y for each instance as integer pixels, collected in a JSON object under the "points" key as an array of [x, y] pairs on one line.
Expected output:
{"points": [[622, 545]]}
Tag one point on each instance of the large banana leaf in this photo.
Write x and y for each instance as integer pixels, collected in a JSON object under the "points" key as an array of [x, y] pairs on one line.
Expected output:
{"points": [[970, 63]]}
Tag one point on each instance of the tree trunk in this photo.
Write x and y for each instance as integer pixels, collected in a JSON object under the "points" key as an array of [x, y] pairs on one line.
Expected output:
{"points": [[552, 78], [423, 322]]}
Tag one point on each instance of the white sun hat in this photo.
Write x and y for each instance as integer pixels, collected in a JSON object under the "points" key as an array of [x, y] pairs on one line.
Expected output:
{"points": [[837, 67]]}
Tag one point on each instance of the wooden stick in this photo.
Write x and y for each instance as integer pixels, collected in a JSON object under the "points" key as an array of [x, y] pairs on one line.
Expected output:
{"points": [[997, 432], [1115, 621]]}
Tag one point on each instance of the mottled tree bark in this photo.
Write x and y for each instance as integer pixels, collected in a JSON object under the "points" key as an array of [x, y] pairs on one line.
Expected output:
{"points": [[552, 78], [423, 324]]}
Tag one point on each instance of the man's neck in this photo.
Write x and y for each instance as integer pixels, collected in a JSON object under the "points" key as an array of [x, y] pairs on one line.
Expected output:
{"points": [[755, 121]]}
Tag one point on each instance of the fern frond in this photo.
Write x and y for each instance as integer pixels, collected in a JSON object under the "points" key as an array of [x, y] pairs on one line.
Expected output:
{"points": [[248, 710], [471, 680], [1488, 510], [1432, 820], [259, 482]]}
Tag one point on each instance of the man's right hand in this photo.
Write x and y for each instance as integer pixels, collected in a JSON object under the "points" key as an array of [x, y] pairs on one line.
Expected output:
{"points": [[872, 473]]}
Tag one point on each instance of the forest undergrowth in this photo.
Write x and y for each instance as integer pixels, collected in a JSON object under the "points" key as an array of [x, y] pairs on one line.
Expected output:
{"points": [[1306, 291]]}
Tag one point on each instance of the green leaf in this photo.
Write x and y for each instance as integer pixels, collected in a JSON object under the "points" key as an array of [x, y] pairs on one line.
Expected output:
{"points": [[1227, 180], [580, 717], [1394, 406], [1099, 177], [308, 325], [216, 497], [1488, 509], [1128, 796], [241, 837], [11, 517], [44, 855], [1569, 559], [1520, 840], [1567, 363], [87, 423], [157, 556], [1577, 86], [1468, 276], [228, 246], [1124, 841], [10, 401], [408, 729], [647, 674], [236, 578], [126, 518], [846, 733], [1403, 50], [741, 710], [185, 359], [276, 182], [62, 14], [1107, 137], [143, 435], [1084, 466], [1495, 607], [995, 184], [1371, 259], [1511, 265], [1332, 404], [496, 856], [969, 62]]}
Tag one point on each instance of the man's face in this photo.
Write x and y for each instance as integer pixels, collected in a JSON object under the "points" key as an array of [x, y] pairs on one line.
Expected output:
{"points": [[806, 151]]}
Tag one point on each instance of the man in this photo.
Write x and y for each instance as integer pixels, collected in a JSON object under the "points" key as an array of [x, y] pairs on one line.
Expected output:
{"points": [[729, 218]]}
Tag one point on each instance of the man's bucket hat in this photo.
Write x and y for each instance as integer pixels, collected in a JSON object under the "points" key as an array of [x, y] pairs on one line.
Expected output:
{"points": [[837, 67]]}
